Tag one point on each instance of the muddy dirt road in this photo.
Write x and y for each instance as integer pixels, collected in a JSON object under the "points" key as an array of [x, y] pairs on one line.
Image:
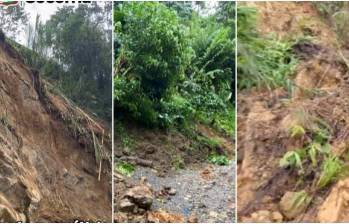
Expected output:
{"points": [[205, 192]]}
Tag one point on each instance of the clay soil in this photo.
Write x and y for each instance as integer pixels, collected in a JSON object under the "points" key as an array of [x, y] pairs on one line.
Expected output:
{"points": [[264, 118], [48, 172]]}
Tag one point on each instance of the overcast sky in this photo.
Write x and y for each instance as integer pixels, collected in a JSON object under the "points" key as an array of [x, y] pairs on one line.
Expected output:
{"points": [[45, 10]]}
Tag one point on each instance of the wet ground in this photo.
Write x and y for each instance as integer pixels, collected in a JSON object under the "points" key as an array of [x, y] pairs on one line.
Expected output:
{"points": [[206, 192]]}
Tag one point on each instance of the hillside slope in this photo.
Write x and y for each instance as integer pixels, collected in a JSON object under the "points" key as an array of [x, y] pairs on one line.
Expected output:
{"points": [[48, 170], [319, 102]]}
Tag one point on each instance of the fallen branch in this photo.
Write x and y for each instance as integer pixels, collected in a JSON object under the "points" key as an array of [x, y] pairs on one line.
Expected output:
{"points": [[138, 161]]}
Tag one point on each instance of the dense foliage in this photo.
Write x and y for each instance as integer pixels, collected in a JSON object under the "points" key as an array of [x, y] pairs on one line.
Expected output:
{"points": [[174, 64], [73, 49], [262, 61]]}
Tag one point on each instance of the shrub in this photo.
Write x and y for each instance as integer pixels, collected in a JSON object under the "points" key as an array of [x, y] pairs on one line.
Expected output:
{"points": [[153, 41], [130, 99]]}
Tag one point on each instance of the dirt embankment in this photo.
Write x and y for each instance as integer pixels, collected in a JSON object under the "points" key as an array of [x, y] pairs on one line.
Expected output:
{"points": [[48, 170], [266, 190]]}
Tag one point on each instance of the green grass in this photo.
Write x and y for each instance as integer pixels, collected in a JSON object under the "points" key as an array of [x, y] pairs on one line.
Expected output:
{"points": [[301, 198], [331, 169], [212, 143], [125, 168], [216, 159]]}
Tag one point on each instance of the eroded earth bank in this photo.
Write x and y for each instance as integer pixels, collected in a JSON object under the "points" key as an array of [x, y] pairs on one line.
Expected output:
{"points": [[293, 146], [51, 151]]}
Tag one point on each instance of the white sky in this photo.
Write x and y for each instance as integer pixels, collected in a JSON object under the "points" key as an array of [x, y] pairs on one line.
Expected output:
{"points": [[45, 10]]}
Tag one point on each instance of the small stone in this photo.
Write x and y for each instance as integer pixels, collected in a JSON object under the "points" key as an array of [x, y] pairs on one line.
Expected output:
{"points": [[277, 217], [172, 192], [118, 153], [126, 205], [126, 151], [265, 213], [193, 219], [201, 205], [187, 197], [150, 149], [143, 180], [254, 216], [213, 214], [140, 195], [119, 177], [288, 207], [141, 211]]}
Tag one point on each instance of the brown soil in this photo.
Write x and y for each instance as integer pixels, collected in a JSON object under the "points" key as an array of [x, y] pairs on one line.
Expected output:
{"points": [[48, 170], [167, 149], [291, 20], [264, 119]]}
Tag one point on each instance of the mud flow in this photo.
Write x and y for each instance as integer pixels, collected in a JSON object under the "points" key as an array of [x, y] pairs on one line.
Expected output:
{"points": [[51, 169], [160, 191], [274, 126]]}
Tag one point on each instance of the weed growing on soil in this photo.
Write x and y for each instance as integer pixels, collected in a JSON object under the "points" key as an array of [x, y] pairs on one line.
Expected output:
{"points": [[217, 159], [292, 159], [178, 162], [297, 131], [125, 168], [313, 151], [301, 198], [331, 169], [316, 152], [262, 62], [209, 142]]}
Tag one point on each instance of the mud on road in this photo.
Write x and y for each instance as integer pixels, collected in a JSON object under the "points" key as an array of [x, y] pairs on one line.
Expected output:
{"points": [[206, 193]]}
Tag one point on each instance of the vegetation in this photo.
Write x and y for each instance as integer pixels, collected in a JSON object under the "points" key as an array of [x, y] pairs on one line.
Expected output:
{"points": [[337, 16], [316, 155], [12, 20], [263, 62], [174, 65], [125, 168], [73, 51], [331, 169], [217, 159]]}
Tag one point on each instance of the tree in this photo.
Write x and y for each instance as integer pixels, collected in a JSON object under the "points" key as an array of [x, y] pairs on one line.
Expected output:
{"points": [[12, 20], [73, 49], [158, 58], [81, 42]]}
